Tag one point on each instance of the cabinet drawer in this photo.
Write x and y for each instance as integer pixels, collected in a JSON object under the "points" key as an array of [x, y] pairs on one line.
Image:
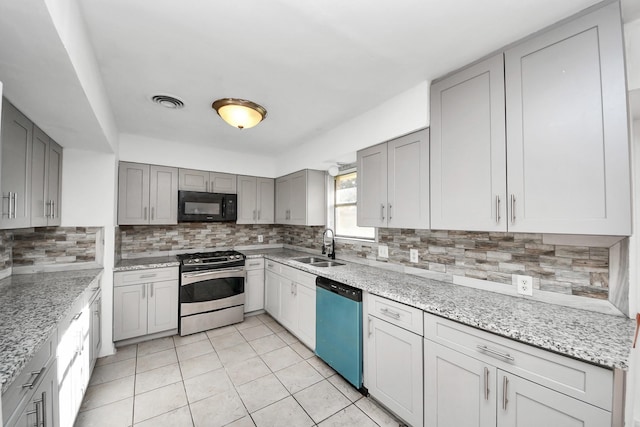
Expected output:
{"points": [[32, 372], [273, 266], [122, 278], [399, 314], [254, 264], [581, 380], [305, 279]]}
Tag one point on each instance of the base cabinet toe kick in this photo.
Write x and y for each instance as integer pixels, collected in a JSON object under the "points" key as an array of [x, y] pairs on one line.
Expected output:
{"points": [[440, 373]]}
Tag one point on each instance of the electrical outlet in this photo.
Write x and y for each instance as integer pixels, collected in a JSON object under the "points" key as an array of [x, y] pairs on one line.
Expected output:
{"points": [[413, 255], [260, 238], [524, 284], [383, 251]]}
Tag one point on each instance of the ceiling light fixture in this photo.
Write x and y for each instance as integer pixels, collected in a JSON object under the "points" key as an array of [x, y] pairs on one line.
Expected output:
{"points": [[239, 113]]}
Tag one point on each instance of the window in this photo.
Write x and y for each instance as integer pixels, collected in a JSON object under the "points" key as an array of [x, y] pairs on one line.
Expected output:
{"points": [[346, 216]]}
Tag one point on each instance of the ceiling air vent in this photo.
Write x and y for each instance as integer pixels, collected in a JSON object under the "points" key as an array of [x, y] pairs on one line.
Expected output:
{"points": [[168, 101]]}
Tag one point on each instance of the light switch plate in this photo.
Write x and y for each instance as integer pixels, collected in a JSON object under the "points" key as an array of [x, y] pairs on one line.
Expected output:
{"points": [[260, 238], [413, 255], [524, 285], [383, 251]]}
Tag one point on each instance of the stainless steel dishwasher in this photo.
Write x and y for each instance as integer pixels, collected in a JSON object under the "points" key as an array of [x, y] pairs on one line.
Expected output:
{"points": [[339, 328]]}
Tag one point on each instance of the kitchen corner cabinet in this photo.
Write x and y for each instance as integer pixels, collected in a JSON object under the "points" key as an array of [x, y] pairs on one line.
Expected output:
{"points": [[291, 300], [256, 200], [46, 180], [147, 194], [566, 142], [468, 162], [393, 183], [145, 302], [301, 198], [211, 182], [15, 180], [393, 371], [477, 378], [254, 285]]}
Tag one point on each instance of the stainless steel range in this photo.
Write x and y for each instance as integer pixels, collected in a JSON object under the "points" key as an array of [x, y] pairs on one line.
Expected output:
{"points": [[211, 290]]}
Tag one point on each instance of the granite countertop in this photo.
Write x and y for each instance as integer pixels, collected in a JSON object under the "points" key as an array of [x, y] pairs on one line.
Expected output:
{"points": [[596, 338], [31, 305], [144, 263]]}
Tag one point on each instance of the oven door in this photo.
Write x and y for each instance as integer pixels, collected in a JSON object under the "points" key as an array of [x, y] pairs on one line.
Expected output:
{"points": [[202, 291]]}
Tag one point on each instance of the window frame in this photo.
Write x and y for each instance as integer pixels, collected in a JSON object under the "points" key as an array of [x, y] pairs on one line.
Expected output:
{"points": [[334, 205]]}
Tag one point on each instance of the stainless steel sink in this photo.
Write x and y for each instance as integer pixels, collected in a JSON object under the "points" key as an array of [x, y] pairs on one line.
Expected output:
{"points": [[326, 264], [318, 262]]}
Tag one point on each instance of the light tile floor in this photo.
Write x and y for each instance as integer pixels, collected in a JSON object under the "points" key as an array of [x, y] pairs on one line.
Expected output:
{"points": [[254, 373]]}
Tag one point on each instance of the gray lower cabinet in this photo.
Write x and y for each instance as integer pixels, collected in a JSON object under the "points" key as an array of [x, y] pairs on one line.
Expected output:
{"points": [[256, 200], [46, 180], [147, 194], [254, 285], [41, 409], [15, 179], [145, 302], [393, 183]]}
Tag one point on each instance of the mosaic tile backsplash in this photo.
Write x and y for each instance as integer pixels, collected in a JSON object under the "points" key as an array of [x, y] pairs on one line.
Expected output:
{"points": [[573, 270], [54, 245]]}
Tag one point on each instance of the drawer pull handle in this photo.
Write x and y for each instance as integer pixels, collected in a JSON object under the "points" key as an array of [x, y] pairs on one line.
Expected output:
{"points": [[496, 353], [370, 330], [486, 383], [390, 313], [505, 391], [76, 316], [147, 276], [254, 264], [35, 380]]}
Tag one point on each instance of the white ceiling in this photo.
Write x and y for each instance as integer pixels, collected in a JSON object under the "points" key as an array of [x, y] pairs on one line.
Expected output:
{"points": [[313, 64]]}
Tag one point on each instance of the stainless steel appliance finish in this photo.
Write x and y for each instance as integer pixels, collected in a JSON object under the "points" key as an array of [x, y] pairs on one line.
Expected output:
{"points": [[206, 207], [211, 290]]}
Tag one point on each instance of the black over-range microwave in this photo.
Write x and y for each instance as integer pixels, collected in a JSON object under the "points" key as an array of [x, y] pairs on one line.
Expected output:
{"points": [[196, 206]]}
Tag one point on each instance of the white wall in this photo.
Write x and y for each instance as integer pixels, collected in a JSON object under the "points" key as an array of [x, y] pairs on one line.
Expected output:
{"points": [[89, 199], [135, 148], [395, 117]]}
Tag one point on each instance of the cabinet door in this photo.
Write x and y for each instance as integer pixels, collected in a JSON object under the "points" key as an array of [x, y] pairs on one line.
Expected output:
{"points": [[133, 193], [272, 294], [96, 329], [193, 180], [567, 140], [408, 181], [458, 390], [372, 186], [40, 203], [42, 410], [283, 199], [222, 183], [468, 149], [54, 183], [298, 200], [265, 200], [288, 304], [247, 197], [306, 301], [129, 311], [254, 291], [15, 180], [163, 195], [394, 358], [522, 403], [162, 306]]}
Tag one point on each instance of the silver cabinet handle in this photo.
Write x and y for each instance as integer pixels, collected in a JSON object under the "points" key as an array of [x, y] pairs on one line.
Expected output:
{"points": [[145, 212], [497, 209], [153, 212], [505, 391], [513, 209], [76, 316], [370, 327], [390, 313], [36, 411], [151, 290], [53, 209], [486, 383], [258, 213], [144, 290], [47, 209], [15, 205], [496, 353], [37, 374], [253, 264], [382, 211], [254, 215], [44, 408], [9, 207], [148, 276], [389, 212]]}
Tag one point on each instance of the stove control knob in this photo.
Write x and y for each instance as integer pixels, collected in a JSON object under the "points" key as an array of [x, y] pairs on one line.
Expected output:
{"points": [[196, 260]]}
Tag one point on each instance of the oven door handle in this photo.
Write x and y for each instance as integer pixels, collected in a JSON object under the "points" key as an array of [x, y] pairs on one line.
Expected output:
{"points": [[188, 278]]}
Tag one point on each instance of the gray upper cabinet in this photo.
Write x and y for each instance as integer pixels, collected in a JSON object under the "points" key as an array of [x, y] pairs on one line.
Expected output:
{"points": [[256, 198], [15, 180], [301, 198], [147, 194], [46, 180], [468, 151], [567, 135], [393, 183], [214, 182]]}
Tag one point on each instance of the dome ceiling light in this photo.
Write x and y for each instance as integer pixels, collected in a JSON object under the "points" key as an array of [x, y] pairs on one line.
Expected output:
{"points": [[239, 113]]}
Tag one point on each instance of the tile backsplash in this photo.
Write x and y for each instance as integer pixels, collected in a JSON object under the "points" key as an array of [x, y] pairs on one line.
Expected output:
{"points": [[54, 245]]}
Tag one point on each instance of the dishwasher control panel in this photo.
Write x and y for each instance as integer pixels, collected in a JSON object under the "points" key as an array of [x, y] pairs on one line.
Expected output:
{"points": [[341, 289]]}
